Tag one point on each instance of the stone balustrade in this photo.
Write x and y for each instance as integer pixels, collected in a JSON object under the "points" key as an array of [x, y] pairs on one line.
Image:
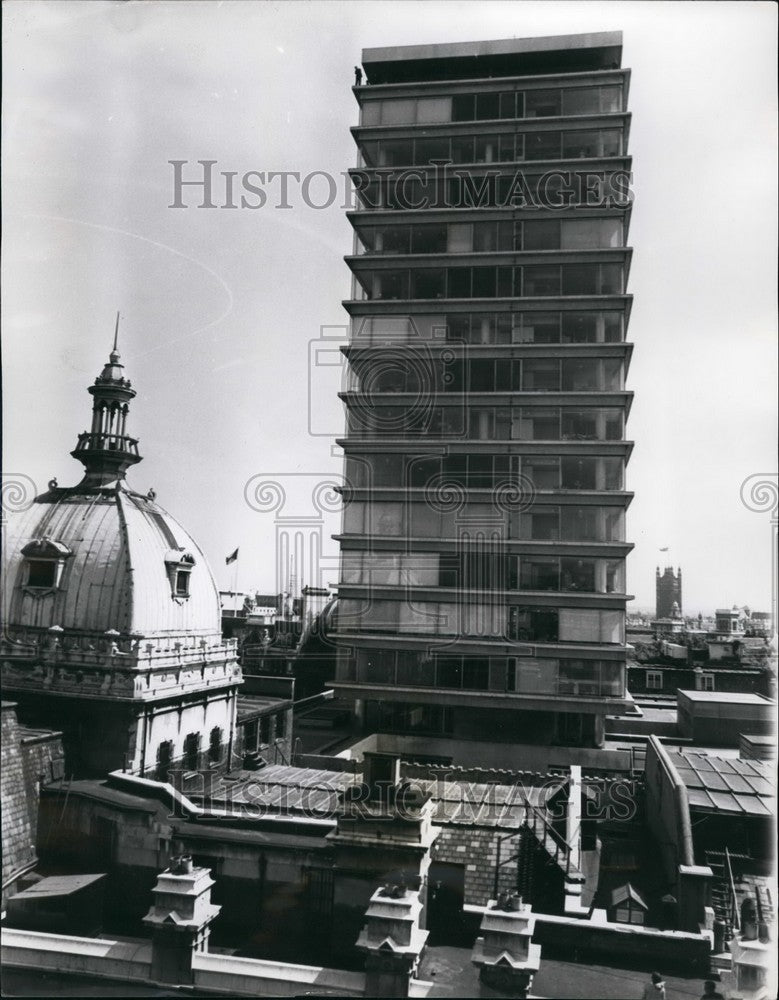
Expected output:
{"points": [[131, 667]]}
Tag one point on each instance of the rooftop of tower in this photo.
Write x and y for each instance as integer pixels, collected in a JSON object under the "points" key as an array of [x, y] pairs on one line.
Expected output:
{"points": [[503, 57]]}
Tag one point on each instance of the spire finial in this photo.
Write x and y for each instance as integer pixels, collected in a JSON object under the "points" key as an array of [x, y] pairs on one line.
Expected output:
{"points": [[116, 338]]}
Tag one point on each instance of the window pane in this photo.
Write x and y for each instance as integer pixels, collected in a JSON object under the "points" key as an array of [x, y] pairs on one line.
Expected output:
{"points": [[459, 282], [462, 148], [578, 473], [542, 103], [396, 152], [579, 625], [410, 671], [541, 376], [542, 472], [540, 425], [369, 152], [429, 284], [487, 106], [481, 375], [545, 525], [385, 519], [579, 145], [542, 280], [539, 574], [612, 473], [584, 233], [613, 426], [612, 327], [612, 374], [482, 328], [611, 279], [610, 99], [419, 472], [351, 567], [397, 112], [538, 328], [542, 146], [487, 149], [353, 518], [425, 522], [426, 150], [381, 569], [484, 279], [580, 524], [41, 572], [390, 285], [580, 328], [460, 238], [611, 626], [577, 574], [485, 237], [387, 469], [581, 101], [505, 235], [463, 107], [541, 235], [610, 143], [506, 281], [580, 376], [579, 425], [508, 105], [434, 109], [536, 676], [612, 677], [580, 279], [393, 239]]}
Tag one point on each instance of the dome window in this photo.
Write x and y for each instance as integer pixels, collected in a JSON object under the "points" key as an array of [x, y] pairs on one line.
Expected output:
{"points": [[179, 565], [44, 561]]}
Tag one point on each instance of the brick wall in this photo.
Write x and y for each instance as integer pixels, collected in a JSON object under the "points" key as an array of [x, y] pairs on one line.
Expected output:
{"points": [[476, 850], [17, 835], [43, 761]]}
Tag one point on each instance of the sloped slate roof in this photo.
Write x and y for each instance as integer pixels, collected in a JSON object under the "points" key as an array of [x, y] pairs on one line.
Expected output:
{"points": [[729, 785]]}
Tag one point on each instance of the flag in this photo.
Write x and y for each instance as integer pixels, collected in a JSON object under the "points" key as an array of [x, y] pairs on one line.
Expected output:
{"points": [[231, 558]]}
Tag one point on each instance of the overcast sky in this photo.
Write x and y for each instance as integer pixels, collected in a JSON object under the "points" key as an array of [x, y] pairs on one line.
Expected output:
{"points": [[220, 307]]}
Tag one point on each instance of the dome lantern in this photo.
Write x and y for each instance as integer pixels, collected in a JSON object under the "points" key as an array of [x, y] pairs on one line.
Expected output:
{"points": [[106, 450]]}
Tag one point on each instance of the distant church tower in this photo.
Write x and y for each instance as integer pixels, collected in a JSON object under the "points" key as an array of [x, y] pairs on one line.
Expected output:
{"points": [[668, 591], [111, 616]]}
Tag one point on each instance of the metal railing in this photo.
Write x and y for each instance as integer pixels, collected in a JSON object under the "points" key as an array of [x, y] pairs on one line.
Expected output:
{"points": [[555, 845]]}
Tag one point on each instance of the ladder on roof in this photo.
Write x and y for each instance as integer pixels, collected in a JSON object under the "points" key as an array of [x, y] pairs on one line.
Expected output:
{"points": [[724, 896]]}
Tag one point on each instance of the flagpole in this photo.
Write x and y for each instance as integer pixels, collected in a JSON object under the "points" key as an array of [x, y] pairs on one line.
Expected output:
{"points": [[235, 583]]}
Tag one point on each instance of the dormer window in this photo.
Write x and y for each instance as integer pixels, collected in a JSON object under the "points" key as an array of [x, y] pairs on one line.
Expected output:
{"points": [[41, 573], [44, 561], [179, 565]]}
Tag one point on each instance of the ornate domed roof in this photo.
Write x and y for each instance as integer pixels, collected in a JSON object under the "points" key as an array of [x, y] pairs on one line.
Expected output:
{"points": [[109, 559], [99, 557]]}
